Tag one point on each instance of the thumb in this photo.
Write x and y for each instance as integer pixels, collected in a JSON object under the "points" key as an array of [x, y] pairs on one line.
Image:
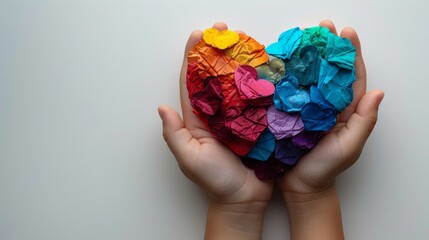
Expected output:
{"points": [[174, 133], [362, 122]]}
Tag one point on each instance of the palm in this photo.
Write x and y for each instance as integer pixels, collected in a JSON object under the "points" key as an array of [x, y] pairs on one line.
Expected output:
{"points": [[221, 173]]}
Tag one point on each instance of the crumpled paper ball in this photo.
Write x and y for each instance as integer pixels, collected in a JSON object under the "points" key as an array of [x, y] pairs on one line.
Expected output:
{"points": [[270, 105]]}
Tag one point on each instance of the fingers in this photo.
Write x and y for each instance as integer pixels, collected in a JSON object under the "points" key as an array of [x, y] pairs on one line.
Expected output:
{"points": [[198, 34], [360, 125], [176, 136], [191, 121], [184, 99], [359, 86], [330, 25], [220, 26], [192, 40], [351, 34]]}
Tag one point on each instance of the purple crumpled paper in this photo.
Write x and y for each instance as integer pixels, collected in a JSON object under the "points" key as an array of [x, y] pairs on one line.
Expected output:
{"points": [[283, 124]]}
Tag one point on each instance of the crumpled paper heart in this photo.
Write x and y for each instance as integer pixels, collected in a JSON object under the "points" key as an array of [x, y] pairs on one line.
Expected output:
{"points": [[220, 39], [270, 105], [250, 88]]}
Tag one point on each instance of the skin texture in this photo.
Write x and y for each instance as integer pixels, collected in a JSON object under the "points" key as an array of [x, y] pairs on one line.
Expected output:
{"points": [[238, 199]]}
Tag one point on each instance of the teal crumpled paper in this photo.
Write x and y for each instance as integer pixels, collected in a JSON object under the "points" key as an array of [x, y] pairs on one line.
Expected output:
{"points": [[264, 146], [317, 37], [306, 66], [288, 42], [340, 51], [335, 85]]}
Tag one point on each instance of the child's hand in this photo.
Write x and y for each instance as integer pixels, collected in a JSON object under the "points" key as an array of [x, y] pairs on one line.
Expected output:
{"points": [[341, 147], [238, 198], [309, 188]]}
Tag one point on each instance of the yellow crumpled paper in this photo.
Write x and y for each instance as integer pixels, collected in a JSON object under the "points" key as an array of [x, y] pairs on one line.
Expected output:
{"points": [[220, 39]]}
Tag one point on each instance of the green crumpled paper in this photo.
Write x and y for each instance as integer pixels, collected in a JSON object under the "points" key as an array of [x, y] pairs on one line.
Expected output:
{"points": [[315, 36], [272, 71]]}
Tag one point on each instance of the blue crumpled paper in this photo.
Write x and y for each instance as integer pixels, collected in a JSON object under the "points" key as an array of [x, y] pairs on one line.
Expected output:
{"points": [[316, 118], [318, 115], [288, 96]]}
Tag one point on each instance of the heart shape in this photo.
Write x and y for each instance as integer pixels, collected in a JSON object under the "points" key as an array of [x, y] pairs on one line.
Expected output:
{"points": [[208, 100], [220, 39], [250, 88], [270, 105], [284, 125]]}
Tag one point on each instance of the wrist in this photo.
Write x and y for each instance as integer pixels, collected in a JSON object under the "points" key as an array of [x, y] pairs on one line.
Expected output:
{"points": [[235, 221], [315, 215], [309, 196]]}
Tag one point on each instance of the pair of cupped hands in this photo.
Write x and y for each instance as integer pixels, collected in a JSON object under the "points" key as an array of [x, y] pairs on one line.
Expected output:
{"points": [[219, 172]]}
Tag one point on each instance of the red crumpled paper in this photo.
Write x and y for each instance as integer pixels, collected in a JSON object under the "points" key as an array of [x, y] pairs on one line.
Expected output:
{"points": [[236, 115]]}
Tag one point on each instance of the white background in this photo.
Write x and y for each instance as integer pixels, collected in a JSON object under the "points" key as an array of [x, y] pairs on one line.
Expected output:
{"points": [[81, 152]]}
